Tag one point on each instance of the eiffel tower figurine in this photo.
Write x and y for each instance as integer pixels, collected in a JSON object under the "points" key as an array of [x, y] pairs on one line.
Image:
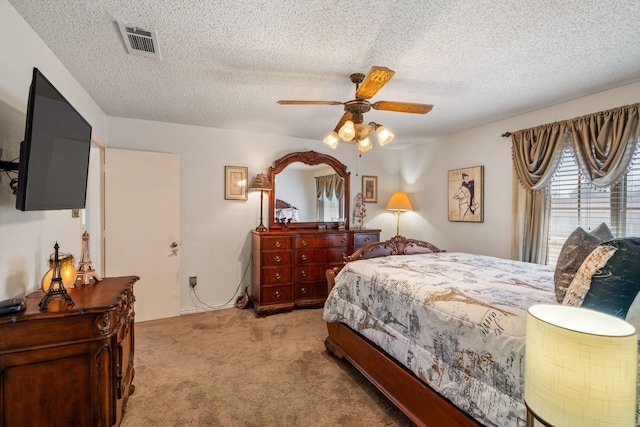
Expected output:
{"points": [[85, 267], [57, 287]]}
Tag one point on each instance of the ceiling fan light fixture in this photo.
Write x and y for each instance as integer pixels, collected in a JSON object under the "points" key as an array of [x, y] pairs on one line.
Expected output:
{"points": [[347, 132], [385, 136], [331, 140]]}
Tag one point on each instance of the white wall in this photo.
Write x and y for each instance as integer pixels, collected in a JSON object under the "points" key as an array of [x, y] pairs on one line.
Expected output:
{"points": [[216, 244], [424, 175], [27, 238]]}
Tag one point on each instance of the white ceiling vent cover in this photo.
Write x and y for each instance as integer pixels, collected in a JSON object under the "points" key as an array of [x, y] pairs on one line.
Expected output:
{"points": [[140, 42]]}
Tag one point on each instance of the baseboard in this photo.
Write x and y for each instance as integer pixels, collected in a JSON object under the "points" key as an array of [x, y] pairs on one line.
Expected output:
{"points": [[202, 309]]}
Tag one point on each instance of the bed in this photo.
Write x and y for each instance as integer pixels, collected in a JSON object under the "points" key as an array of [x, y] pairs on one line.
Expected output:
{"points": [[440, 334]]}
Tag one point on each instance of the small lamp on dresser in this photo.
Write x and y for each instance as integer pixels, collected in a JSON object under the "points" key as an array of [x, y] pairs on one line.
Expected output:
{"points": [[399, 203], [261, 182], [580, 368]]}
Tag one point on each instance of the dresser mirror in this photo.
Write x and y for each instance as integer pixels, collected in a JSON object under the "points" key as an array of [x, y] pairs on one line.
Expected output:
{"points": [[309, 190]]}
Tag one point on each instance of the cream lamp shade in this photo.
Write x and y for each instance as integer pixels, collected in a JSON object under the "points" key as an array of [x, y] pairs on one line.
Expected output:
{"points": [[399, 203], [580, 367]]}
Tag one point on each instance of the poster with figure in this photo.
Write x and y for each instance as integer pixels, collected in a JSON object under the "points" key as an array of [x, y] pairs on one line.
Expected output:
{"points": [[466, 194]]}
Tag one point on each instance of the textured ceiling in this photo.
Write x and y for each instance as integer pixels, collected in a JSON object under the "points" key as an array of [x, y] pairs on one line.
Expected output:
{"points": [[225, 63]]}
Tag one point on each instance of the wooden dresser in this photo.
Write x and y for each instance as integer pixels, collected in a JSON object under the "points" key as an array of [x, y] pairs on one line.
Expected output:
{"points": [[288, 266], [69, 365]]}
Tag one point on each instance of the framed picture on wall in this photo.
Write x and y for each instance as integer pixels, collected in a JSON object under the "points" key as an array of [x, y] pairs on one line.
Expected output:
{"points": [[466, 194], [369, 189], [235, 183]]}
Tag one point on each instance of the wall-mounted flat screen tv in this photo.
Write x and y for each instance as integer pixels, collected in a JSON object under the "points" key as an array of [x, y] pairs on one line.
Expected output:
{"points": [[54, 156]]}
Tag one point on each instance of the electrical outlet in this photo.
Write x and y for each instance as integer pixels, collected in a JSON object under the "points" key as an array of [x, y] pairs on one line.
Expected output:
{"points": [[193, 281]]}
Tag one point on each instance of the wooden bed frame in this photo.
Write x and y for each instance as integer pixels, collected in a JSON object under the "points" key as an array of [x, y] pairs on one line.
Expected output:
{"points": [[419, 402]]}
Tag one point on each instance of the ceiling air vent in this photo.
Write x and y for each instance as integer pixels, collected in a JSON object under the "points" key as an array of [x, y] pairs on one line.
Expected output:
{"points": [[139, 41]]}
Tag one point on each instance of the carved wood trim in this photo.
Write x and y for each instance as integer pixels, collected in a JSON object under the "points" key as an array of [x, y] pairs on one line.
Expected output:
{"points": [[397, 245]]}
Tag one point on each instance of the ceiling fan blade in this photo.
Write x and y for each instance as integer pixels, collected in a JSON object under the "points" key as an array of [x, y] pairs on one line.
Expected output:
{"points": [[288, 102], [402, 107], [343, 119], [377, 77]]}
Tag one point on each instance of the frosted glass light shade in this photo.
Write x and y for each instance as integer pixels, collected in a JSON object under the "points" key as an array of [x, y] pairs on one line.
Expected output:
{"points": [[384, 135], [68, 272], [347, 131], [580, 367], [331, 140], [364, 145]]}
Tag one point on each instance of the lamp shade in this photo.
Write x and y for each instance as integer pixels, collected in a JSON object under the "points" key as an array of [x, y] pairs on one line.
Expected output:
{"points": [[261, 182], [399, 202], [580, 367]]}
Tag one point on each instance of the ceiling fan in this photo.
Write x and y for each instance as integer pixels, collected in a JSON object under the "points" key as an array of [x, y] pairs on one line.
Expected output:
{"points": [[351, 126]]}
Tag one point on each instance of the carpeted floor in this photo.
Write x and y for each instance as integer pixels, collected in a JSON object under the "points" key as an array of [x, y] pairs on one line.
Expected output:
{"points": [[229, 368]]}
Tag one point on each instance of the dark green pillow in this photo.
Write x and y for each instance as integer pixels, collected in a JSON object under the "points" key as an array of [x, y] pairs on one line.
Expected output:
{"points": [[615, 286]]}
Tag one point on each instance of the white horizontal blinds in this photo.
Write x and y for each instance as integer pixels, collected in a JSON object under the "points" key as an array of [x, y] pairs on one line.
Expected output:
{"points": [[574, 202]]}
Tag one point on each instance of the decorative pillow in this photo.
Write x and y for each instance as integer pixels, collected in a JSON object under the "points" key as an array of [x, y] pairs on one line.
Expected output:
{"points": [[576, 248], [602, 232], [615, 286], [582, 280]]}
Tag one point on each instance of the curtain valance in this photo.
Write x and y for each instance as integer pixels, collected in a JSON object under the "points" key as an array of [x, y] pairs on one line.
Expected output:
{"points": [[603, 143]]}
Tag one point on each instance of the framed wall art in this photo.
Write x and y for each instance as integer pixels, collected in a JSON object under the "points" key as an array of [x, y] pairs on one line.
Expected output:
{"points": [[235, 183], [466, 194], [369, 189]]}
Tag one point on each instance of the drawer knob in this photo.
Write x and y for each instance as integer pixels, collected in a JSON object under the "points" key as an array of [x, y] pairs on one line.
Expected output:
{"points": [[304, 243], [303, 291], [278, 276], [277, 258], [276, 294], [303, 273], [303, 257], [344, 240], [344, 254], [277, 243], [366, 239]]}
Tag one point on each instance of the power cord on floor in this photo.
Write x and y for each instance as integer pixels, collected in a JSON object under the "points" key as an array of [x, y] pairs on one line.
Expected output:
{"points": [[213, 307]]}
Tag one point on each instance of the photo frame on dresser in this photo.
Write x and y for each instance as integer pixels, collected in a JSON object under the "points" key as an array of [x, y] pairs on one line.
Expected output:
{"points": [[235, 182], [369, 189], [466, 194]]}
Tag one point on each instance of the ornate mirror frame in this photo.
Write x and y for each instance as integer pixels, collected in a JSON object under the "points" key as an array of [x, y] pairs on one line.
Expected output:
{"points": [[310, 158]]}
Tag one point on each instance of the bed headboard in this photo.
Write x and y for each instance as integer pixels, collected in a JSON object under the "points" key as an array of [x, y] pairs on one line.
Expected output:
{"points": [[397, 245]]}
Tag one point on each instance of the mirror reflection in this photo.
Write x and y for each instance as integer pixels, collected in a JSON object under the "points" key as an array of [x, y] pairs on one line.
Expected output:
{"points": [[309, 193]]}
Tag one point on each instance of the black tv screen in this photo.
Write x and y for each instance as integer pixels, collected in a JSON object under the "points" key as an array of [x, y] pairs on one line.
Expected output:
{"points": [[54, 156]]}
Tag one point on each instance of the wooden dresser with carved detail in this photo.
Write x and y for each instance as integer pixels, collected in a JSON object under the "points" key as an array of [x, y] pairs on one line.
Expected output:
{"points": [[288, 266], [69, 365]]}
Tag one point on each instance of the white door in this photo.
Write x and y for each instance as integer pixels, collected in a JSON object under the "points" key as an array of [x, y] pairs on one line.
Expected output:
{"points": [[142, 227]]}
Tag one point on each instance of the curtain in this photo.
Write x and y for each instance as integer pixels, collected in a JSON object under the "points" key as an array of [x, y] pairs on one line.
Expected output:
{"points": [[604, 144], [329, 185]]}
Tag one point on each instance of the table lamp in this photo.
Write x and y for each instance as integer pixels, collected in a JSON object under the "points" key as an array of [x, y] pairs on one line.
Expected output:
{"points": [[399, 203], [580, 368], [261, 182]]}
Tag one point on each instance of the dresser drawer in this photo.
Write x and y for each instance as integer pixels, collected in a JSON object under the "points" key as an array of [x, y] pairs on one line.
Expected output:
{"points": [[273, 243], [362, 239], [271, 294], [275, 275], [324, 241], [310, 290], [309, 273], [271, 258]]}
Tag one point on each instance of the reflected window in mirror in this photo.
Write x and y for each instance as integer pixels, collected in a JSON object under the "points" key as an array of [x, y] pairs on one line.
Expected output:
{"points": [[330, 197]]}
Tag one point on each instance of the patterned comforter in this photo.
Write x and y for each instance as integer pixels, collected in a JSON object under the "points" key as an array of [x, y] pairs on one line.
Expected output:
{"points": [[456, 320]]}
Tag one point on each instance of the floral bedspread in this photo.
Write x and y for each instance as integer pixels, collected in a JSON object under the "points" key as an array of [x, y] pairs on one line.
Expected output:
{"points": [[456, 320]]}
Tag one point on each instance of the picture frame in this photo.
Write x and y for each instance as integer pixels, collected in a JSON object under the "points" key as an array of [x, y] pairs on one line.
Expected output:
{"points": [[466, 194], [235, 182], [369, 189]]}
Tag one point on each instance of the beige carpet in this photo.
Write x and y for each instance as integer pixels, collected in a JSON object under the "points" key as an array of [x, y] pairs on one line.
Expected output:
{"points": [[229, 368]]}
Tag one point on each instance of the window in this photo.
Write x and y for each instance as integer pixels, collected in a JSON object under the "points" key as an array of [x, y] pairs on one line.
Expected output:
{"points": [[574, 202], [330, 208]]}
